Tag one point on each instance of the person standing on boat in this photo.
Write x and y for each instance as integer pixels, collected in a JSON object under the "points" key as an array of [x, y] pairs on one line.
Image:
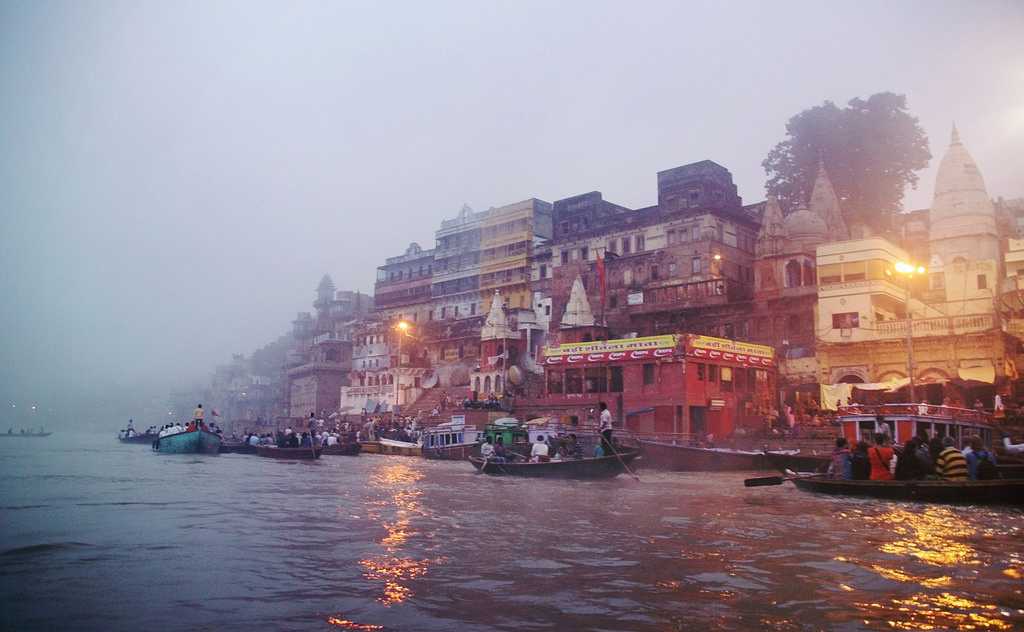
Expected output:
{"points": [[197, 415], [606, 427]]}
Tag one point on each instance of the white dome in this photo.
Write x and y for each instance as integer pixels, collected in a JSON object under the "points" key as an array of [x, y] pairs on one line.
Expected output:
{"points": [[961, 205]]}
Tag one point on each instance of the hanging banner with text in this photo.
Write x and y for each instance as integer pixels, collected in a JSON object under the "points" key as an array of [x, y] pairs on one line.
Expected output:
{"points": [[745, 353], [622, 350]]}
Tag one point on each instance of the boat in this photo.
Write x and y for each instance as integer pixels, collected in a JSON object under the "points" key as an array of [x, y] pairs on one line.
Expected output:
{"points": [[349, 448], [783, 460], [148, 439], [27, 435], [274, 452], [451, 441], [195, 442], [681, 458], [934, 491], [369, 447], [237, 447], [596, 467], [401, 448]]}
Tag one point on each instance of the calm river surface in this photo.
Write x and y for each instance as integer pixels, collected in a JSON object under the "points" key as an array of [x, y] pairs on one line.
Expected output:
{"points": [[102, 536]]}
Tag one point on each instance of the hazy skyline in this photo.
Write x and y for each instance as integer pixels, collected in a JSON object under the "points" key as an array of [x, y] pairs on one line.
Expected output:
{"points": [[176, 177]]}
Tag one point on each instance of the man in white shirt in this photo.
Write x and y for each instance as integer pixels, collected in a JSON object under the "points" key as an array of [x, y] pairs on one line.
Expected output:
{"points": [[254, 439], [487, 448], [606, 428], [539, 452], [332, 439]]}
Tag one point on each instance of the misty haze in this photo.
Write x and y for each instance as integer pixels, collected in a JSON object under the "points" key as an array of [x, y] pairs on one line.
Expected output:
{"points": [[582, 316]]}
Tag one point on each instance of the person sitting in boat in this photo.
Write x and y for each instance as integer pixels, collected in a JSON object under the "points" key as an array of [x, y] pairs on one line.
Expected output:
{"points": [[575, 447], [332, 439], [860, 465], [539, 452], [916, 460], [500, 453], [293, 440], [880, 456], [951, 464], [841, 466], [981, 463], [598, 450], [487, 448], [254, 440], [306, 442]]}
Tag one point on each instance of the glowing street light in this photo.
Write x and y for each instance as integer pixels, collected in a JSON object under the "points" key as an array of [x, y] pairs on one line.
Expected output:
{"points": [[907, 271]]}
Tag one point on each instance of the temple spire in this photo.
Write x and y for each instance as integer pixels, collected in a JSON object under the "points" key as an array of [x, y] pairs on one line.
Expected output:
{"points": [[773, 230], [496, 326], [577, 310], [825, 203]]}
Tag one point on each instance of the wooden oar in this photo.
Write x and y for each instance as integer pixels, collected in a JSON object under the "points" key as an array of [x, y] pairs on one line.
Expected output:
{"points": [[631, 472]]}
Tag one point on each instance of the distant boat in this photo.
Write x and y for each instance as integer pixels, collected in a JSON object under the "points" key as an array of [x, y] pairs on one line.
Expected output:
{"points": [[139, 438], [274, 452], [27, 435], [195, 442], [596, 467]]}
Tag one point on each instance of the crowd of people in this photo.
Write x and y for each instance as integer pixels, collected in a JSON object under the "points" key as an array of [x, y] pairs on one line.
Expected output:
{"points": [[544, 449], [921, 457], [289, 438]]}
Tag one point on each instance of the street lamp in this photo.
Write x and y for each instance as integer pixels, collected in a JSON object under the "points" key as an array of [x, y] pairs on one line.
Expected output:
{"points": [[402, 328], [907, 271]]}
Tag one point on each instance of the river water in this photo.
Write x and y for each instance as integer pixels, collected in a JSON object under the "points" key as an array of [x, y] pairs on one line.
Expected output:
{"points": [[102, 536]]}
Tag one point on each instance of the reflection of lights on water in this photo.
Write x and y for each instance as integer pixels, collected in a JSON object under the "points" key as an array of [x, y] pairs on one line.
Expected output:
{"points": [[933, 536], [352, 625], [396, 571], [943, 611], [900, 576]]}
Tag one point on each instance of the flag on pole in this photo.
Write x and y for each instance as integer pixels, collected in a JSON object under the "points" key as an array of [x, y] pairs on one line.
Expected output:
{"points": [[214, 412]]}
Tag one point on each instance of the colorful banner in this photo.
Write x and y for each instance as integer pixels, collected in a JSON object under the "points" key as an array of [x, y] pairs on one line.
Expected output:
{"points": [[621, 350], [745, 353]]}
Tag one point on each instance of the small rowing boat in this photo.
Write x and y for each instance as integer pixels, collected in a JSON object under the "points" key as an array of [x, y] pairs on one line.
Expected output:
{"points": [[933, 491], [148, 439], [26, 435], [391, 446], [195, 442], [596, 467], [237, 447], [274, 452]]}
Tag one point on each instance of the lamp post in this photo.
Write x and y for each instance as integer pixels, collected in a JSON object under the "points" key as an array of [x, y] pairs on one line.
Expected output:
{"points": [[402, 327], [907, 271]]}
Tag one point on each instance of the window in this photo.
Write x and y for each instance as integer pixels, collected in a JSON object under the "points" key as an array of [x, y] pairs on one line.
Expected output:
{"points": [[547, 310], [701, 372], [565, 228], [671, 237], [726, 378], [627, 276], [713, 373], [936, 281], [573, 381], [613, 300], [543, 272], [846, 320], [456, 311], [648, 374], [639, 243], [472, 309], [672, 270], [565, 257], [611, 246], [616, 380], [654, 273], [626, 245], [584, 253], [444, 313], [695, 265], [792, 273], [830, 273], [982, 282], [597, 380], [684, 234]]}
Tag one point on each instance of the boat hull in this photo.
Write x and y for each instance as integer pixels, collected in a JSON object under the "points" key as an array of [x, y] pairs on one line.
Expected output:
{"points": [[343, 449], [237, 448], [33, 435], [678, 458], [274, 452], [388, 446], [933, 491], [459, 452], [195, 442], [600, 467], [147, 439]]}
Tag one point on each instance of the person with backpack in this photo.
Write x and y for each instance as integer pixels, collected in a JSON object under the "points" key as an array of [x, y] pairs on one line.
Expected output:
{"points": [[981, 463]]}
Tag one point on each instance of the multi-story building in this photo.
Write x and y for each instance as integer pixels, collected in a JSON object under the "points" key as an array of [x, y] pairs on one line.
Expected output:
{"points": [[872, 293], [403, 286]]}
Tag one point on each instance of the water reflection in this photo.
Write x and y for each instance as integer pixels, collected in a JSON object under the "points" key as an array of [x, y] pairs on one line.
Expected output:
{"points": [[935, 544], [397, 480]]}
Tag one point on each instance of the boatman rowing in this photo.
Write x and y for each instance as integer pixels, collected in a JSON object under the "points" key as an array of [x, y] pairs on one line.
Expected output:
{"points": [[606, 428]]}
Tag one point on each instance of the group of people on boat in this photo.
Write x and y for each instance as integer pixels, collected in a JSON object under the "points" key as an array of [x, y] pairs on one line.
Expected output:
{"points": [[10, 431], [545, 449], [920, 458], [405, 429]]}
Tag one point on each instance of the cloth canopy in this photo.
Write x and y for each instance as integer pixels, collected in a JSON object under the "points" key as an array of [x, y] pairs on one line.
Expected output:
{"points": [[986, 374]]}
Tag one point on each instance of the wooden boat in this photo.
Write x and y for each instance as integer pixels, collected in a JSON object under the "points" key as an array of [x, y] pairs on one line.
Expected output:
{"points": [[237, 447], [349, 448], [27, 435], [148, 439], [369, 447], [934, 491], [274, 452], [598, 467], [681, 458], [195, 442], [797, 462], [451, 442], [390, 446]]}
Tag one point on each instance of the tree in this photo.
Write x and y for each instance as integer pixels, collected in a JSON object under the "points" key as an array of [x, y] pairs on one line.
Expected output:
{"points": [[871, 150]]}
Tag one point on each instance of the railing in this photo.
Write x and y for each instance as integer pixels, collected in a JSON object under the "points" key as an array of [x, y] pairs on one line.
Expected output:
{"points": [[919, 410], [942, 326], [369, 391]]}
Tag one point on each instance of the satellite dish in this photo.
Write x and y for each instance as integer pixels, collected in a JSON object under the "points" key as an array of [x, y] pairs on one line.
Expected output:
{"points": [[515, 375], [430, 381]]}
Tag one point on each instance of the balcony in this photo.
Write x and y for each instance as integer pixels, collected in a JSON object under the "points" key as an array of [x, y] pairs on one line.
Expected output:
{"points": [[944, 326]]}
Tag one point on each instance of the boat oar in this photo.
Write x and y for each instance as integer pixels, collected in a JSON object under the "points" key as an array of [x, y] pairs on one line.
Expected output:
{"points": [[766, 481], [619, 457]]}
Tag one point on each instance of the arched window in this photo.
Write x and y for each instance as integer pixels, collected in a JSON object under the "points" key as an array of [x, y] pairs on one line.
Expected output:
{"points": [[476, 384], [487, 384], [809, 273], [792, 273], [497, 385]]}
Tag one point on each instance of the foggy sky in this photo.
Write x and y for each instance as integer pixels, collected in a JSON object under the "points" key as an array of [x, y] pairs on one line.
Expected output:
{"points": [[175, 177]]}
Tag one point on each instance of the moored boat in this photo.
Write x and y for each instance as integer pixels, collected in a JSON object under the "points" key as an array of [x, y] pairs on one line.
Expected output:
{"points": [[936, 491], [148, 439], [681, 458], [27, 435], [451, 442], [597, 467], [274, 452], [195, 442], [370, 447], [349, 448], [237, 447], [400, 448]]}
